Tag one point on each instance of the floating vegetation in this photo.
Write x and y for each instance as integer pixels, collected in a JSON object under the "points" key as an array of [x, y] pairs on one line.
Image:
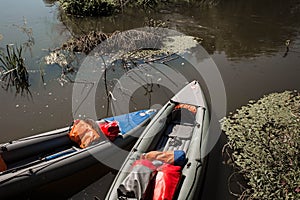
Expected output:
{"points": [[56, 57], [125, 41], [64, 59], [130, 47], [264, 146], [127, 50], [147, 55], [1, 36], [65, 55], [156, 23], [85, 43], [132, 40], [13, 70]]}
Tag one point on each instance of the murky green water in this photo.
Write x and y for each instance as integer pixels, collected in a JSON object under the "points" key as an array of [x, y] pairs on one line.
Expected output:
{"points": [[245, 40]]}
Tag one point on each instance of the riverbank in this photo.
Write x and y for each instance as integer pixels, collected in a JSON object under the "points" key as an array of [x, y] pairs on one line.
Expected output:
{"points": [[263, 147], [109, 7]]}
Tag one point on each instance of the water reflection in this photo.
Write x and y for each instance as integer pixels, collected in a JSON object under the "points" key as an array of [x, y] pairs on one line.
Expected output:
{"points": [[13, 72], [237, 28], [240, 29], [21, 85]]}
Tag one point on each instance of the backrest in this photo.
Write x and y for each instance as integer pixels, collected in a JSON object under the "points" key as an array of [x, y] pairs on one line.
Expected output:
{"points": [[183, 116]]}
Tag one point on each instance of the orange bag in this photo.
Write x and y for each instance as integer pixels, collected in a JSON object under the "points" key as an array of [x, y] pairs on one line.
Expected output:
{"points": [[85, 132], [3, 166], [164, 156], [176, 157], [191, 108]]}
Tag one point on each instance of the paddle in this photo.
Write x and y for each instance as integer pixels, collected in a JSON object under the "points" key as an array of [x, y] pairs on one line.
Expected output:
{"points": [[47, 158]]}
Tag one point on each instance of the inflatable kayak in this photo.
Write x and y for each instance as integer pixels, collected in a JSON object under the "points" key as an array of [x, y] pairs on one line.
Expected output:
{"points": [[168, 161], [31, 162]]}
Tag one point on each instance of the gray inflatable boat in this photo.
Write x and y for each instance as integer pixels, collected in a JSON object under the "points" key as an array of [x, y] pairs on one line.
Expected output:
{"points": [[174, 129], [40, 159]]}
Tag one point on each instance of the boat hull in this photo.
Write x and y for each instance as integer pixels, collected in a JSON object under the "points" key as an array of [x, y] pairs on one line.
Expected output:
{"points": [[26, 176], [194, 170]]}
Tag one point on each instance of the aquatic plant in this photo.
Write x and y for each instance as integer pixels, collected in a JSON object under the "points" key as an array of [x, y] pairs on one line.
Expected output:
{"points": [[28, 32], [108, 7], [14, 72], [264, 146]]}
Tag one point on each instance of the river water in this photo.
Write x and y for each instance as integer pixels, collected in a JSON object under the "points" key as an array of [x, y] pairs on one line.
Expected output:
{"points": [[246, 41]]}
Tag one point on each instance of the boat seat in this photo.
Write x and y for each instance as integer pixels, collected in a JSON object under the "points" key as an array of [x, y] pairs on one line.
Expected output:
{"points": [[183, 116], [176, 137]]}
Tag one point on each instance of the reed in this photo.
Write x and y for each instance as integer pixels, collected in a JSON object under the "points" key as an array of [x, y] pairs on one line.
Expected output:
{"points": [[14, 72]]}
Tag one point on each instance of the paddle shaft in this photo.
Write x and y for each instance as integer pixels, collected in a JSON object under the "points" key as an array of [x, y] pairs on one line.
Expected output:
{"points": [[47, 158]]}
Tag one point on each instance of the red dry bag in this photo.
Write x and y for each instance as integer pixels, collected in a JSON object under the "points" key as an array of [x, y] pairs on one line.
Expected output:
{"points": [[166, 181], [110, 129], [3, 166], [139, 182]]}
